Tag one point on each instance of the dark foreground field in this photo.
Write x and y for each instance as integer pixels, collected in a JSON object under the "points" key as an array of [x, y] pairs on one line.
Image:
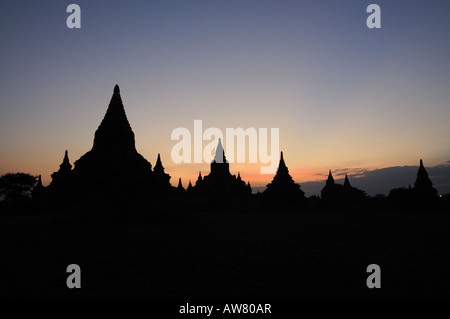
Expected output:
{"points": [[226, 254]]}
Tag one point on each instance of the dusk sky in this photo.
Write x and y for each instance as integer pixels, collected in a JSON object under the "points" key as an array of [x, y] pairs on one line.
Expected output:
{"points": [[342, 95]]}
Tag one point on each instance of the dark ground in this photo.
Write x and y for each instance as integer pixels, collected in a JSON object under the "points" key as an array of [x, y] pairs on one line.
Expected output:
{"points": [[226, 254]]}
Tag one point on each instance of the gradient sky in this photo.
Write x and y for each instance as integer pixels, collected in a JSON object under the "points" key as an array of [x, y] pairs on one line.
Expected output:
{"points": [[343, 95]]}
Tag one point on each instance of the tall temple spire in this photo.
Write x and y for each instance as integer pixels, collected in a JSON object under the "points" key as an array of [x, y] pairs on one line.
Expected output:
{"points": [[283, 186], [330, 179], [158, 165], [180, 185], [282, 165], [347, 182], [65, 165], [39, 183], [423, 182], [114, 132], [62, 177], [161, 178], [219, 157], [113, 164]]}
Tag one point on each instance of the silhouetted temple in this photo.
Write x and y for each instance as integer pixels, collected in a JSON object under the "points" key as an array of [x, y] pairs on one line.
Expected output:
{"points": [[333, 191], [61, 184], [161, 178], [180, 191], [64, 172], [423, 191], [114, 169], [423, 187], [283, 186], [113, 166], [220, 182], [190, 189], [350, 193]]}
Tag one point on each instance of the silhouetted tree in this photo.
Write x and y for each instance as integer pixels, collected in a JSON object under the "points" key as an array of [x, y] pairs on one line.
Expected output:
{"points": [[16, 187]]}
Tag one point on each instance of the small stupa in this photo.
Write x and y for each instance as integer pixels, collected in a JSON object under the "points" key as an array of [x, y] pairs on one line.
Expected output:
{"points": [[283, 186]]}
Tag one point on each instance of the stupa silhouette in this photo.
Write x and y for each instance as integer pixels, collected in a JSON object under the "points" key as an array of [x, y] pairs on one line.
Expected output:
{"points": [[161, 178], [330, 190], [113, 167], [350, 193], [61, 184], [423, 186], [283, 186], [337, 192], [220, 182], [421, 195]]}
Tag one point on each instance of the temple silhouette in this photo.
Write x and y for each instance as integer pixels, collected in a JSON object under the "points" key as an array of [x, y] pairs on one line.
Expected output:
{"points": [[219, 183], [423, 193], [283, 187], [113, 168], [344, 193], [423, 187]]}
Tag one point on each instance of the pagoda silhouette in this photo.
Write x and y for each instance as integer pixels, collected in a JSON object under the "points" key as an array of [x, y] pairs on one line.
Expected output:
{"points": [[331, 190], [344, 193], [113, 167], [61, 184], [422, 194], [283, 187], [350, 193], [423, 187], [220, 183]]}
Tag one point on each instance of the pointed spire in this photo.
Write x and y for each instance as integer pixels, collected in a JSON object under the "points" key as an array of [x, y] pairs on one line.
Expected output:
{"points": [[239, 176], [114, 132], [330, 179], [422, 180], [158, 166], [39, 182], [199, 176], [199, 179], [282, 165], [219, 157], [422, 171], [180, 185], [65, 165], [347, 182]]}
